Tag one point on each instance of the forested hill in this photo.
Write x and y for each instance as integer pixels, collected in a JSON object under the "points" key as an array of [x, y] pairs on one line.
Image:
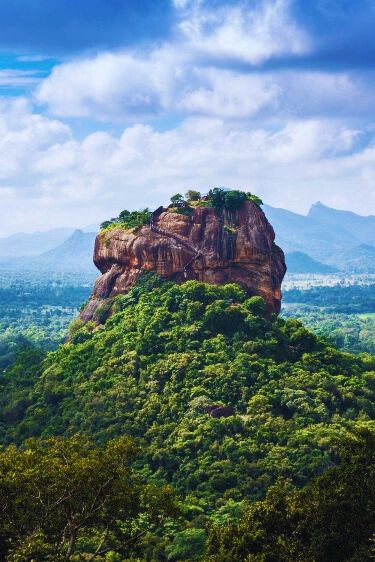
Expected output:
{"points": [[223, 401]]}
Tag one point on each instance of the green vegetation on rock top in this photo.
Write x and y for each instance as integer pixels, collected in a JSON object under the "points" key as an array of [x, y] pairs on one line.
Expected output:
{"points": [[218, 197], [127, 220]]}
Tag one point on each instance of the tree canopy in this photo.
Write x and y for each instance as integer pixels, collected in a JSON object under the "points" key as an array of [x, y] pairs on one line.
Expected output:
{"points": [[229, 406], [63, 496]]}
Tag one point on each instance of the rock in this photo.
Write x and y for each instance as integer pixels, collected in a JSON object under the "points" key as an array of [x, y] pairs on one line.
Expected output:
{"points": [[222, 412], [208, 246]]}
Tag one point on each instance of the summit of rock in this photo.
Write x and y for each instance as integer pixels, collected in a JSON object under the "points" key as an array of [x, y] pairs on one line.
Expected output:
{"points": [[206, 245]]}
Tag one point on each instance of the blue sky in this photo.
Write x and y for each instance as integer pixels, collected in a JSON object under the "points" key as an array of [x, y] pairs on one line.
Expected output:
{"points": [[112, 104]]}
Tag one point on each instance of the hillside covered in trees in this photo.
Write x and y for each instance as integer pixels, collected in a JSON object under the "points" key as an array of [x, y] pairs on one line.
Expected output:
{"points": [[227, 405]]}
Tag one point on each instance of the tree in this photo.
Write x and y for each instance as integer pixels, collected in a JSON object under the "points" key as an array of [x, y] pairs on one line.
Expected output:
{"points": [[256, 305], [192, 195], [234, 199], [177, 199], [254, 198], [63, 496], [230, 199], [217, 197], [188, 545], [124, 215], [331, 519]]}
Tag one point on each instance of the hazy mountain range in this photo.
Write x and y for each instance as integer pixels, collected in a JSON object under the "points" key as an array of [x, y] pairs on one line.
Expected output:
{"points": [[23, 244], [341, 239], [325, 240], [72, 254]]}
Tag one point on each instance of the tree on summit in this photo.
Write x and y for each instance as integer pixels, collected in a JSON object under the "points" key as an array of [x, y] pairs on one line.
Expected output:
{"points": [[177, 199], [192, 195]]}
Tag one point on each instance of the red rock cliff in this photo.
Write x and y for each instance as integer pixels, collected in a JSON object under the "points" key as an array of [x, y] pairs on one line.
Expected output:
{"points": [[236, 247]]}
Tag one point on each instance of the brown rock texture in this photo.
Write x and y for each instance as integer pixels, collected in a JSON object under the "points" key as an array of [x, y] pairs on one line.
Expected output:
{"points": [[211, 246]]}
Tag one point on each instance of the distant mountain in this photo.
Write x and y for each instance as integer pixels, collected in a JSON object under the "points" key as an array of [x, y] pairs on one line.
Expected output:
{"points": [[301, 233], [360, 259], [298, 262], [363, 228], [24, 244], [338, 238], [33, 244], [75, 252], [95, 227]]}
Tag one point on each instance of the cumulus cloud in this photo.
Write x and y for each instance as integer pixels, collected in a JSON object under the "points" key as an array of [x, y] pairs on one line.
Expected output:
{"points": [[111, 85], [282, 133], [49, 178], [184, 75], [24, 134], [201, 72], [227, 94], [249, 32]]}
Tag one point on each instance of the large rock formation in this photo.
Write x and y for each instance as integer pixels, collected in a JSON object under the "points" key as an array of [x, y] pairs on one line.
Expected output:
{"points": [[210, 246]]}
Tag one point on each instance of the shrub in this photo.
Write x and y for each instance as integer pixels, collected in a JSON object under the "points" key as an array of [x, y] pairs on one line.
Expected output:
{"points": [[234, 199], [192, 195], [177, 199], [254, 198], [217, 197], [128, 219]]}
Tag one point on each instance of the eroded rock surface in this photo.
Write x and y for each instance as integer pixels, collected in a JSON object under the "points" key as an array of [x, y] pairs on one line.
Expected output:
{"points": [[209, 246]]}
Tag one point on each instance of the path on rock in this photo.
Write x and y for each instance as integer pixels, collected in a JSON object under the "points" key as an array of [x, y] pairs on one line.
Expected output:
{"points": [[184, 241]]}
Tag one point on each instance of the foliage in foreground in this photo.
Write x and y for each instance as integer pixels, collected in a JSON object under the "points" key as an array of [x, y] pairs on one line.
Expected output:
{"points": [[64, 499], [330, 520]]}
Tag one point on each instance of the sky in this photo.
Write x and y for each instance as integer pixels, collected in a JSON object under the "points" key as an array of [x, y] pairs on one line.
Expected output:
{"points": [[114, 104]]}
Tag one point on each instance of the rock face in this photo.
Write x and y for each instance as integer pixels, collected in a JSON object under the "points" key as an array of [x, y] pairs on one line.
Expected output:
{"points": [[209, 246]]}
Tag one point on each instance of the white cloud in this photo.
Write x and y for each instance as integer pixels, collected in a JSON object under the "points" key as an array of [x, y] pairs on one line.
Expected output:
{"points": [[181, 75], [23, 134], [251, 32], [226, 94], [48, 178], [190, 75], [110, 85], [13, 78]]}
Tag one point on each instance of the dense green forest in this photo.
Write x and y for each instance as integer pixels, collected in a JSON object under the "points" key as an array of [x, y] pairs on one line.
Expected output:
{"points": [[238, 412]]}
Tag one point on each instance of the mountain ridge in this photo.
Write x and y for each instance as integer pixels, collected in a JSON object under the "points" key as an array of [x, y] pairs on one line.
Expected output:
{"points": [[322, 236]]}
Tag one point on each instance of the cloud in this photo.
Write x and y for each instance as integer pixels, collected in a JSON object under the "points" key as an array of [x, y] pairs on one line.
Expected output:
{"points": [[110, 85], [13, 78], [247, 116], [228, 95], [49, 178], [200, 73], [24, 134], [183, 75], [249, 32]]}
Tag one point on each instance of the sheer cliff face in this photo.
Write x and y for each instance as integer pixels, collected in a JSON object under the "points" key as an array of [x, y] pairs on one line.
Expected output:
{"points": [[207, 246]]}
